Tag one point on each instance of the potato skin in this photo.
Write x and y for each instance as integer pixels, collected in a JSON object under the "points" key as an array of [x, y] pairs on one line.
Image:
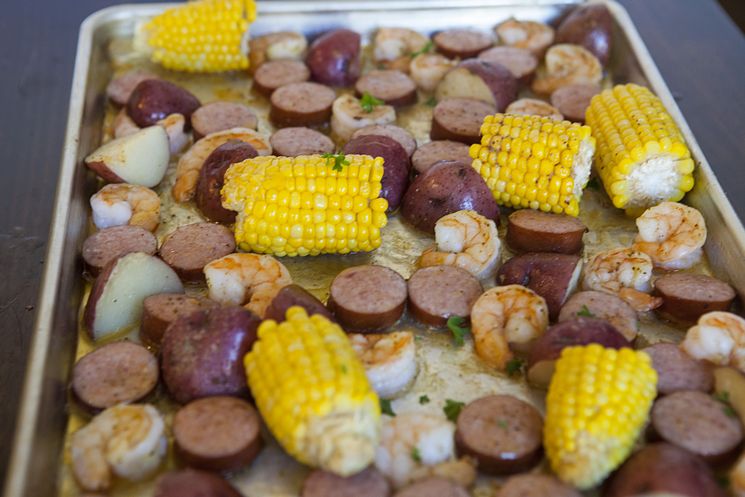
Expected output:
{"points": [[334, 58], [579, 331], [212, 179], [590, 26], [155, 99], [444, 188], [295, 295], [501, 82]]}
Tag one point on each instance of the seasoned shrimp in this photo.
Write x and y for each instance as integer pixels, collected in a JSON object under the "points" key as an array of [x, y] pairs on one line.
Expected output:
{"points": [[394, 43], [465, 239], [389, 360], [121, 203], [567, 64], [718, 337], [504, 315], [410, 440], [428, 69], [125, 440], [250, 279], [189, 165], [530, 35], [624, 272], [672, 235]]}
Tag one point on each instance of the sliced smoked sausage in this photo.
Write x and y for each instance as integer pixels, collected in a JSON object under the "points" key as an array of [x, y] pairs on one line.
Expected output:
{"points": [[188, 249], [530, 230], [536, 485], [160, 310], [573, 100], [434, 486], [109, 244], [367, 483], [403, 137], [301, 104], [604, 306], [275, 73], [676, 371], [219, 116], [391, 86], [461, 43], [439, 150], [193, 483], [459, 119], [438, 292], [686, 297], [121, 87], [292, 142], [519, 61]]}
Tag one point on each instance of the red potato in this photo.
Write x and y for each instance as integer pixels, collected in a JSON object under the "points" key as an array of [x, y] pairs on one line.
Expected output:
{"points": [[520, 62], [159, 311], [155, 99], [461, 43], [459, 119], [530, 230], [392, 87], [601, 305], [140, 158], [530, 35], [202, 353], [578, 331], [439, 150], [219, 116], [443, 189], [193, 483], [590, 26], [109, 244], [115, 300], [276, 73], [280, 45], [334, 58], [480, 80], [403, 137], [552, 276], [291, 295], [212, 178]]}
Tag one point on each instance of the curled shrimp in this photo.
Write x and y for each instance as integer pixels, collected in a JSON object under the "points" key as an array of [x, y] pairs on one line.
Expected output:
{"points": [[411, 440], [121, 203], [428, 69], [126, 440], [250, 279], [505, 315], [718, 337], [567, 64], [465, 239], [625, 272], [395, 46], [189, 165], [530, 35], [672, 235], [389, 360]]}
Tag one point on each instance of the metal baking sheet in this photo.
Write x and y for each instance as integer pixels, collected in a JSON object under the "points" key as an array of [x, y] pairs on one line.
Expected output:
{"points": [[38, 448]]}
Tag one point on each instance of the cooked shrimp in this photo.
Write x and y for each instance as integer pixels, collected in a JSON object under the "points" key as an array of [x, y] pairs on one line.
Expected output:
{"points": [[530, 35], [718, 337], [624, 272], [189, 165], [461, 471], [410, 440], [250, 279], [174, 125], [428, 69], [672, 235], [121, 203], [389, 360], [126, 440], [394, 43], [567, 64], [465, 239], [505, 315]]}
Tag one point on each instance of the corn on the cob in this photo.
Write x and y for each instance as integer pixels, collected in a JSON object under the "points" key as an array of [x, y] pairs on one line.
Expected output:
{"points": [[597, 403], [201, 36], [642, 158], [313, 394], [306, 205], [535, 162]]}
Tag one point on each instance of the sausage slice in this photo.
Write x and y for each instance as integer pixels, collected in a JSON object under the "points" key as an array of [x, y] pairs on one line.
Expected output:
{"points": [[301, 104], [439, 150], [104, 246], [188, 249], [676, 371], [217, 433], [504, 434], [519, 61], [291, 295], [530, 230], [461, 43], [439, 292], [536, 485], [434, 486], [193, 483], [292, 142], [114, 373], [219, 116], [459, 119], [367, 298], [392, 131], [698, 423], [391, 86], [367, 483], [573, 100], [120, 88], [160, 310], [275, 73], [686, 297], [604, 306]]}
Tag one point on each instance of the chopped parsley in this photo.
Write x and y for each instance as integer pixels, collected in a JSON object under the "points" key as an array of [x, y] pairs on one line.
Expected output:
{"points": [[385, 407], [585, 312], [423, 399], [431, 102], [344, 368], [457, 328], [502, 424], [339, 161], [368, 102], [427, 47], [415, 455], [514, 366], [452, 409], [723, 397]]}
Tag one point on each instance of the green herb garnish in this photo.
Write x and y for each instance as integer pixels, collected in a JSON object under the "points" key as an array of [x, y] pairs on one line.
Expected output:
{"points": [[723, 397], [431, 102], [502, 424], [452, 409], [514, 366], [415, 455], [455, 324], [339, 161], [368, 102], [343, 368], [585, 312], [423, 399], [385, 407], [427, 47]]}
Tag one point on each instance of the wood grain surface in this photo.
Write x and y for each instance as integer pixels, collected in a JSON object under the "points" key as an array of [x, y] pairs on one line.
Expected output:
{"points": [[698, 49]]}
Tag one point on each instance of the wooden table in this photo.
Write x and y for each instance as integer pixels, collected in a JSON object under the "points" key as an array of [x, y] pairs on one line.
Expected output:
{"points": [[700, 52]]}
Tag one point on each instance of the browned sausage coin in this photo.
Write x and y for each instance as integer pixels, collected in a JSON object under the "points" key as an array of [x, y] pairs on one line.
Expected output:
{"points": [[502, 432], [275, 73], [530, 230], [403, 137], [114, 373], [291, 295], [193, 483], [435, 151], [217, 433], [219, 116], [367, 298], [686, 297], [459, 119], [291, 142], [536, 485], [391, 86], [104, 246], [604, 306], [121, 87], [438, 292], [160, 310], [461, 43], [301, 104], [676, 371], [573, 100], [520, 62], [367, 483], [434, 486], [188, 249]]}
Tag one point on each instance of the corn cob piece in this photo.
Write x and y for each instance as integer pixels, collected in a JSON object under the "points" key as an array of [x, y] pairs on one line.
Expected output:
{"points": [[306, 205], [534, 162], [200, 36], [642, 158], [313, 394], [597, 403]]}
